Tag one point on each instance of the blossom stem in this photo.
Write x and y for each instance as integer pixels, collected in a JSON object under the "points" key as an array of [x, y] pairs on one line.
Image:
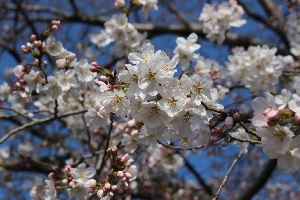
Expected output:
{"points": [[248, 130], [227, 176], [107, 142]]}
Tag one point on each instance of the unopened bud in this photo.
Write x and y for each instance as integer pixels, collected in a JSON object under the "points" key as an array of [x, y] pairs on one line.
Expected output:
{"points": [[54, 28], [71, 184], [114, 187], [119, 4], [33, 37], [64, 181], [24, 49], [236, 116], [131, 123], [134, 133], [229, 122], [96, 68], [107, 186], [72, 56], [29, 45], [100, 193], [128, 175], [297, 117], [55, 22]]}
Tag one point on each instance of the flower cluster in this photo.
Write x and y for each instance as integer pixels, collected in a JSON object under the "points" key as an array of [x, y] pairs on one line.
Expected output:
{"points": [[217, 20], [186, 50], [118, 30], [169, 108], [79, 181], [278, 141], [258, 68]]}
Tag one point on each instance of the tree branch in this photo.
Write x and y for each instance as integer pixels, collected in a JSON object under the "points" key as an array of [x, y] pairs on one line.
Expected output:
{"points": [[36, 122], [260, 181], [227, 176]]}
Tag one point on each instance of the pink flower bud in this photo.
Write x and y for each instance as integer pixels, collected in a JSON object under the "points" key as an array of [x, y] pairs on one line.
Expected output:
{"points": [[54, 28], [51, 175], [29, 45], [119, 4], [64, 181], [71, 184], [103, 78], [33, 37], [44, 45], [24, 49], [134, 133], [114, 149], [265, 112], [107, 186], [100, 193], [55, 22], [131, 123], [124, 158], [110, 194], [120, 174], [130, 161], [234, 109], [98, 105], [114, 187], [229, 122], [236, 116], [272, 115], [72, 56], [297, 117], [37, 43], [128, 175]]}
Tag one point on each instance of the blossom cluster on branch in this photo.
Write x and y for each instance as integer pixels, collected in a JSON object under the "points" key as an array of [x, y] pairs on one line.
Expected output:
{"points": [[149, 105]]}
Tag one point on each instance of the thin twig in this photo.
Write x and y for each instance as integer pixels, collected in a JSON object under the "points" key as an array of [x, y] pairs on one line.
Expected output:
{"points": [[36, 122], [21, 114], [212, 109], [180, 148], [107, 142], [192, 169], [227, 176], [248, 130], [88, 135], [243, 140]]}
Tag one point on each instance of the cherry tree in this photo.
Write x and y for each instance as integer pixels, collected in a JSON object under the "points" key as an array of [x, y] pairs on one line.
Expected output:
{"points": [[148, 99]]}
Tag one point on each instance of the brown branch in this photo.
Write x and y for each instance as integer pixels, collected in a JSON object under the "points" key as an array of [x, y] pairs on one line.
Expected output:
{"points": [[268, 23], [107, 143], [36, 122], [180, 148], [177, 12], [23, 163], [201, 181], [248, 130], [260, 181], [155, 30], [243, 140], [227, 176]]}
